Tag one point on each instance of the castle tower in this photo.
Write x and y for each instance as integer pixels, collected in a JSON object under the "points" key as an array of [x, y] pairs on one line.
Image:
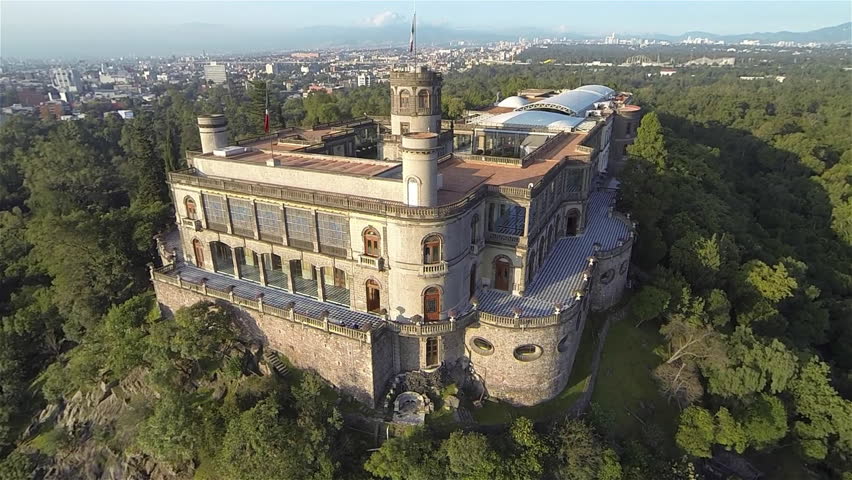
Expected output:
{"points": [[420, 168], [214, 132], [415, 101]]}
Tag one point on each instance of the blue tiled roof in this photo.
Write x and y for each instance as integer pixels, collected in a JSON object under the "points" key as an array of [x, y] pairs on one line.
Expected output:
{"points": [[561, 273], [308, 306]]}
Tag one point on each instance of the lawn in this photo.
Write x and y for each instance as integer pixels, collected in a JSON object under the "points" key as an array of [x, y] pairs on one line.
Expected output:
{"points": [[624, 383], [497, 413]]}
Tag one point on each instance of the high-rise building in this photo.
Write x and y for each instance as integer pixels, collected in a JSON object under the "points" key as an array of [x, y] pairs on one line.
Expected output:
{"points": [[215, 73], [273, 69], [365, 79], [66, 80]]}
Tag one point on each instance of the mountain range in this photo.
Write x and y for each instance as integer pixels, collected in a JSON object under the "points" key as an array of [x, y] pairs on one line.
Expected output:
{"points": [[193, 38]]}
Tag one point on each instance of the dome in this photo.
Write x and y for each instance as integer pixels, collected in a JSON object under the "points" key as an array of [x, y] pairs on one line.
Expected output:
{"points": [[513, 102]]}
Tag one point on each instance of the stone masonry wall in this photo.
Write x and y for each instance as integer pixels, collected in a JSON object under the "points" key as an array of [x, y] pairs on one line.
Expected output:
{"points": [[357, 368]]}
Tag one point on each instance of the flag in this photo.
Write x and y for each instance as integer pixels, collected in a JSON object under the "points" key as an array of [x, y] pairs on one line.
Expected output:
{"points": [[411, 38], [266, 113]]}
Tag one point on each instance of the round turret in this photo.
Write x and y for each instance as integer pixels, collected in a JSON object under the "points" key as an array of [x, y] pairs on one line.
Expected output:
{"points": [[420, 168], [214, 132]]}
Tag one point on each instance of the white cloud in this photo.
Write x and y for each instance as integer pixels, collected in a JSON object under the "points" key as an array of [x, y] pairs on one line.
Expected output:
{"points": [[384, 18]]}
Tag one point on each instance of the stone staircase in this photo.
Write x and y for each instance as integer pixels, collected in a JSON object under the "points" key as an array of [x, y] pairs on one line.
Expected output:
{"points": [[274, 361]]}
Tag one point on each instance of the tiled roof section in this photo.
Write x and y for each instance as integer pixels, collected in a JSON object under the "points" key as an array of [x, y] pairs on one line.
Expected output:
{"points": [[278, 298], [462, 177], [561, 274]]}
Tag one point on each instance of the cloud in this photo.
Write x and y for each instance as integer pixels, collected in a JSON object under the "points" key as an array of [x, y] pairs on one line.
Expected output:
{"points": [[384, 18]]}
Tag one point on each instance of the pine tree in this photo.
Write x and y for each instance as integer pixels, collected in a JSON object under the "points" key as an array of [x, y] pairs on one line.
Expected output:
{"points": [[144, 165], [649, 147]]}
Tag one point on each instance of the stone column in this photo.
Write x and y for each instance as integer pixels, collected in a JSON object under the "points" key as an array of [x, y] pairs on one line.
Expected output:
{"points": [[320, 283], [290, 283], [261, 267], [234, 259]]}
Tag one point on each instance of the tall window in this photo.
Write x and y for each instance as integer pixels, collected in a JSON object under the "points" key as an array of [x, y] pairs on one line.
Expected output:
{"points": [[502, 274], [191, 212], [269, 222], [423, 99], [432, 352], [241, 217], [404, 127], [432, 249], [371, 242], [432, 304], [223, 259], [216, 212], [404, 99], [300, 228], [474, 229], [333, 234]]}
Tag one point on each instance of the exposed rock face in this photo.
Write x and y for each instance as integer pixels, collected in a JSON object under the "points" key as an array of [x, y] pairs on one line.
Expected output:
{"points": [[90, 420]]}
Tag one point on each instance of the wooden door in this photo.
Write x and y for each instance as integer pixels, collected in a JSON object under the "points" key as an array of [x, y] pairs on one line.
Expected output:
{"points": [[502, 274], [374, 302], [198, 248], [432, 305]]}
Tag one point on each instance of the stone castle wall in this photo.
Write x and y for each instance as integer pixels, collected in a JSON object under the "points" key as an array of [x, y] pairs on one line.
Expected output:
{"points": [[358, 368]]}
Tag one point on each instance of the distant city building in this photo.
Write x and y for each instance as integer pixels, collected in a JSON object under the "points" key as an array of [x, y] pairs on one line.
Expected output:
{"points": [[365, 80], [305, 69], [714, 62], [215, 73], [273, 69], [66, 80], [30, 97], [53, 110], [667, 72]]}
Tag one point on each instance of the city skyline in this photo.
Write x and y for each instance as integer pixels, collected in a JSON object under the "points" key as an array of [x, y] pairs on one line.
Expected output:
{"points": [[158, 28]]}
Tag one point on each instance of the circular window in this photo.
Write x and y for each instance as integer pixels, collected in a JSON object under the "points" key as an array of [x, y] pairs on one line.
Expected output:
{"points": [[527, 353], [481, 346], [608, 276], [623, 268], [564, 344]]}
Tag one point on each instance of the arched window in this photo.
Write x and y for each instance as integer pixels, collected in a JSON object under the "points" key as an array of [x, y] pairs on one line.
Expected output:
{"points": [[404, 99], [423, 99], [432, 304], [223, 258], [374, 298], [191, 211], [474, 229], [572, 222], [432, 246], [371, 242], [413, 192], [432, 356], [502, 274]]}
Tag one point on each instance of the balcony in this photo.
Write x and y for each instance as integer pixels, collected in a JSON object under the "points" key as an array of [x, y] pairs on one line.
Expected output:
{"points": [[191, 223], [373, 262], [503, 239], [434, 269]]}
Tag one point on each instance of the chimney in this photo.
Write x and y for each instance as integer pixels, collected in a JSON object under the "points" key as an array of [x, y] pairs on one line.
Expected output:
{"points": [[214, 132]]}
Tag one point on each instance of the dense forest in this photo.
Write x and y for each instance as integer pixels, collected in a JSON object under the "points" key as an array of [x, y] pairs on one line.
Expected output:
{"points": [[743, 196]]}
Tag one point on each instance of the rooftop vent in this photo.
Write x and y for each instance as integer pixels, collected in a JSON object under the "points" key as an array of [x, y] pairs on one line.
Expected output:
{"points": [[229, 151]]}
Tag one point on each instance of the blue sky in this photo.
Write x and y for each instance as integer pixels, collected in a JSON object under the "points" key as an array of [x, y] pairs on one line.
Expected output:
{"points": [[637, 16]]}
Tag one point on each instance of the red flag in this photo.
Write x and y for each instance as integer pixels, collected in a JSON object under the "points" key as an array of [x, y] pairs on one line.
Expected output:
{"points": [[266, 114]]}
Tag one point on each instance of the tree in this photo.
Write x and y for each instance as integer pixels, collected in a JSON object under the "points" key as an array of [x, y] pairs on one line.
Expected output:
{"points": [[17, 466], [171, 432], [823, 418], [204, 332], [470, 456], [648, 303], [765, 421], [649, 147], [580, 455], [696, 431], [413, 457], [145, 166], [679, 381], [729, 433], [753, 365]]}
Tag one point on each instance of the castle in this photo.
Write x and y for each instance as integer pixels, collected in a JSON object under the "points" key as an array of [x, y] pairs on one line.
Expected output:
{"points": [[480, 244]]}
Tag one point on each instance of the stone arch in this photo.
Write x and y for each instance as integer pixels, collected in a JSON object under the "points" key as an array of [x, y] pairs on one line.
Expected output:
{"points": [[373, 291], [404, 98]]}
